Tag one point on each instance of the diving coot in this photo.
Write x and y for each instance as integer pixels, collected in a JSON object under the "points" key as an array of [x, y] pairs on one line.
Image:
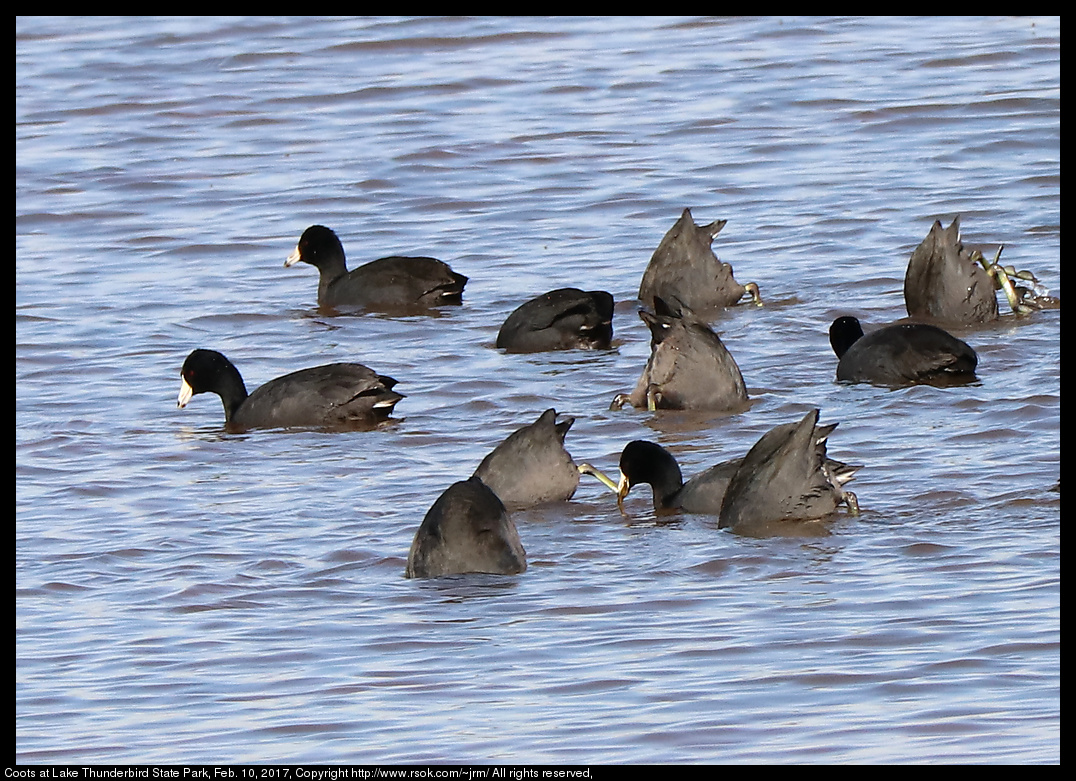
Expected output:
{"points": [[466, 530], [532, 466], [685, 272], [563, 319], [689, 366]]}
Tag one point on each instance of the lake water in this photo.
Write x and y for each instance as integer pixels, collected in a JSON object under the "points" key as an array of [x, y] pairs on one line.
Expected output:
{"points": [[186, 595]]}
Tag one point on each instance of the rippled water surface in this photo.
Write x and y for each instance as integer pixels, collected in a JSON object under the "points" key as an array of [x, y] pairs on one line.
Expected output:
{"points": [[183, 594]]}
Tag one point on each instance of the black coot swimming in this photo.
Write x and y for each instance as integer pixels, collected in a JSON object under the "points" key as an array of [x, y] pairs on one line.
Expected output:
{"points": [[900, 354], [388, 284], [647, 462], [785, 476], [347, 395]]}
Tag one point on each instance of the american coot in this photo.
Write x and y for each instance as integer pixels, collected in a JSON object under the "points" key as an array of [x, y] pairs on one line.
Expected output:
{"points": [[388, 284], [689, 367], [946, 282], [532, 466], [901, 354], [647, 462], [562, 319], [347, 395], [786, 476], [650, 463], [685, 271], [466, 530]]}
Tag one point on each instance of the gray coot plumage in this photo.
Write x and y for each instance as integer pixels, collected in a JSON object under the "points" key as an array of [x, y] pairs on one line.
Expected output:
{"points": [[563, 319], [945, 281], [466, 530], [387, 284], [347, 395], [531, 465], [684, 270], [689, 366], [787, 476], [900, 354]]}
